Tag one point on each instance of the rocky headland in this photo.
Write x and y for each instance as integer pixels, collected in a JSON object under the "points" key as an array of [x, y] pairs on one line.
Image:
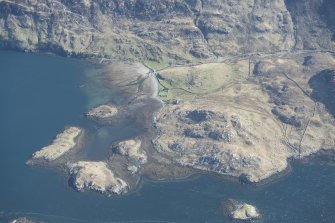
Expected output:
{"points": [[246, 118]]}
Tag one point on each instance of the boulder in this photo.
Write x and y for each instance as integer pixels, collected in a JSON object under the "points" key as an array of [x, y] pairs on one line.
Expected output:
{"points": [[240, 211]]}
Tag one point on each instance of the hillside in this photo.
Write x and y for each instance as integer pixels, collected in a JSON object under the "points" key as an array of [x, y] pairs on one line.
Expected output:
{"points": [[166, 32]]}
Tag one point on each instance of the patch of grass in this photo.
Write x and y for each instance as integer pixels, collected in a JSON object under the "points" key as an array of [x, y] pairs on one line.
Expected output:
{"points": [[201, 79], [155, 65]]}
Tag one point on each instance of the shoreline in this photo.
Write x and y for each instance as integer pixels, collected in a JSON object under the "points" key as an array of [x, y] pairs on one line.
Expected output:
{"points": [[209, 186], [153, 85]]}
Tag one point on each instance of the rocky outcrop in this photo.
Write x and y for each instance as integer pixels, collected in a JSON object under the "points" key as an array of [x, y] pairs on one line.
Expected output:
{"points": [[323, 85], [251, 127], [240, 211], [62, 144], [314, 23], [24, 220], [95, 176], [103, 113], [225, 142], [166, 32], [132, 149]]}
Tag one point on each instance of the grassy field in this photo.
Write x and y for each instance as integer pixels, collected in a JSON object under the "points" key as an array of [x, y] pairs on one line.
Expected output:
{"points": [[180, 83]]}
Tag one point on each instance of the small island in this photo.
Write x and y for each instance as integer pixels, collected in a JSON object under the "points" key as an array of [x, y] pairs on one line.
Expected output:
{"points": [[64, 142], [132, 149], [240, 210], [103, 113], [96, 176]]}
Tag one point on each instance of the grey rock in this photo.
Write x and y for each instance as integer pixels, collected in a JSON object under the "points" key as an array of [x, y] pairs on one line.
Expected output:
{"points": [[240, 210], [165, 31], [199, 115], [323, 85]]}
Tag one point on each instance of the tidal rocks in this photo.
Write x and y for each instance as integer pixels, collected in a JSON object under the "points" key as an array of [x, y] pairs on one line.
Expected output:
{"points": [[132, 169], [24, 220], [96, 176], [240, 211], [103, 113], [63, 143], [132, 149]]}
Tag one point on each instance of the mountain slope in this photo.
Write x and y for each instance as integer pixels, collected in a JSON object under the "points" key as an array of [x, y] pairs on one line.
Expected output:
{"points": [[167, 32]]}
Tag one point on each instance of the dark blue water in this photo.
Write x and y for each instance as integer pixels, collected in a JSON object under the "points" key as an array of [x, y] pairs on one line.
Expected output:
{"points": [[41, 94]]}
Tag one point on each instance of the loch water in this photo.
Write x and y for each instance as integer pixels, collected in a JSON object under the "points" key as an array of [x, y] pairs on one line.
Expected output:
{"points": [[40, 94]]}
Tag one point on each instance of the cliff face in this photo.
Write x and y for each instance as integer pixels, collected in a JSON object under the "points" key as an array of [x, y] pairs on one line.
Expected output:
{"points": [[166, 31], [323, 85], [315, 23]]}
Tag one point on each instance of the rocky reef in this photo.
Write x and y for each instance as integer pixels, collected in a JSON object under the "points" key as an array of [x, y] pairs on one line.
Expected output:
{"points": [[96, 176], [240, 211], [24, 220], [62, 144]]}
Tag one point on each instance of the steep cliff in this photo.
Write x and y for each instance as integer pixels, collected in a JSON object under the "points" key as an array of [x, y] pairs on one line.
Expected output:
{"points": [[314, 23]]}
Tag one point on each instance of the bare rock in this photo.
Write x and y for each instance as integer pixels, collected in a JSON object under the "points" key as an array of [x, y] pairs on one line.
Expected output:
{"points": [[103, 113], [96, 176], [240, 211], [63, 143], [24, 220], [323, 85], [132, 149], [132, 169], [199, 115], [155, 31]]}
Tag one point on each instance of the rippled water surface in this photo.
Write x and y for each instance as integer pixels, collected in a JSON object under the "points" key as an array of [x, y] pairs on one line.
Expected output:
{"points": [[41, 94]]}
